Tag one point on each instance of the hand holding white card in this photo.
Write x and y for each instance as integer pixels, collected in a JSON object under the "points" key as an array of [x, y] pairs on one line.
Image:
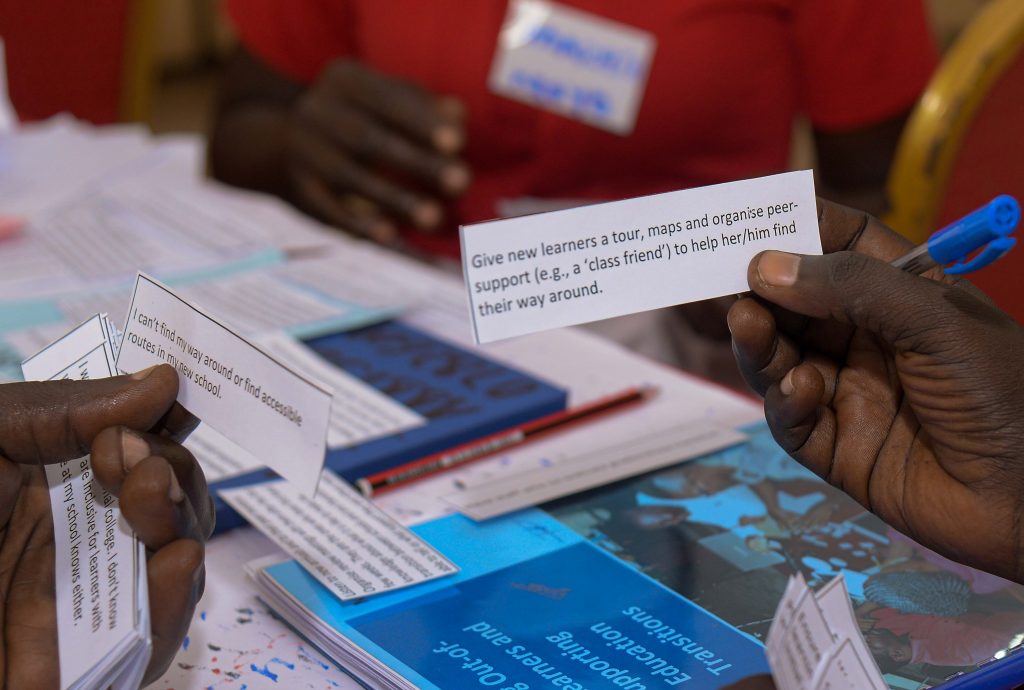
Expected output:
{"points": [[568, 267], [102, 601], [236, 388]]}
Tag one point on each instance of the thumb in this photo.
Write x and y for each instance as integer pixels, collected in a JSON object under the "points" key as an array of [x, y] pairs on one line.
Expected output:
{"points": [[52, 421], [905, 310]]}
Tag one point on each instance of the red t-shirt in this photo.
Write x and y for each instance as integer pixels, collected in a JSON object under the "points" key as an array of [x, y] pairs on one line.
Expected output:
{"points": [[727, 80]]}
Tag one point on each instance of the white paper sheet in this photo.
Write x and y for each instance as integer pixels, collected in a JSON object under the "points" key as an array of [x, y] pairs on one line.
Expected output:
{"points": [[236, 388], [101, 237], [46, 163], [591, 463], [569, 267], [346, 543], [253, 300], [219, 457]]}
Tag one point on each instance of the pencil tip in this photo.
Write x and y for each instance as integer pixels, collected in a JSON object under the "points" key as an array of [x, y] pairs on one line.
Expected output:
{"points": [[648, 391], [365, 488]]}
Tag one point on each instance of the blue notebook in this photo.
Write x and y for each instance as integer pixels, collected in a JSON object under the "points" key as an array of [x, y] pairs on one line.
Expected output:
{"points": [[462, 394]]}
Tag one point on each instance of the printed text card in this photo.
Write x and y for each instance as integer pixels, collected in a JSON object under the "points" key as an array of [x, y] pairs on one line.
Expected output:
{"points": [[567, 267], [233, 386]]}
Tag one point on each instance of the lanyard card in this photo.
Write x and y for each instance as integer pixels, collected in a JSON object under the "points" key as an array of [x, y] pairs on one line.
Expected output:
{"points": [[573, 63]]}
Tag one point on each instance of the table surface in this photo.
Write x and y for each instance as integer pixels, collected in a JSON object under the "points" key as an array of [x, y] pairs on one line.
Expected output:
{"points": [[236, 642]]}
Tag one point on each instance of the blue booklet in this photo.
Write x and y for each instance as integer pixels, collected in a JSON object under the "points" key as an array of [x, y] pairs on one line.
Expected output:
{"points": [[701, 552], [534, 606], [463, 395]]}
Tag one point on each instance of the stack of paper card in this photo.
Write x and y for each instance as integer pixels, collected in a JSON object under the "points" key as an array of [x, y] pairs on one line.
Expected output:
{"points": [[814, 642], [103, 630]]}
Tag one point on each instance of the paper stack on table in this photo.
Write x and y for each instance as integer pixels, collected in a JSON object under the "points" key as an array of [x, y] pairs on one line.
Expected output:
{"points": [[98, 204], [814, 642]]}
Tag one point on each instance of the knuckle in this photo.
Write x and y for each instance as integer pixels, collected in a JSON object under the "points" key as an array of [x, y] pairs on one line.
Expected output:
{"points": [[306, 109], [846, 269], [341, 71]]}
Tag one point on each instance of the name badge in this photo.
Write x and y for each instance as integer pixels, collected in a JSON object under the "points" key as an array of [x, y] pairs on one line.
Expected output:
{"points": [[573, 63]]}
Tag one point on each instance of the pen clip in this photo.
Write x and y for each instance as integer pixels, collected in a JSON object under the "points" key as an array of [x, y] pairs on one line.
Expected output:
{"points": [[993, 251], [987, 229]]}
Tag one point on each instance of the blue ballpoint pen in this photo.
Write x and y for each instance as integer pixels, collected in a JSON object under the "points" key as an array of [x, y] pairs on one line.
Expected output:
{"points": [[987, 228]]}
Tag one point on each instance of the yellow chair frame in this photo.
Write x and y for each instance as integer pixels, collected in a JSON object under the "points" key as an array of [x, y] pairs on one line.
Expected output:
{"points": [[137, 64], [931, 140]]}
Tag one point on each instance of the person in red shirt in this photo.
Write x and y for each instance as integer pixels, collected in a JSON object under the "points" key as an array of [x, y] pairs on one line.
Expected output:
{"points": [[375, 115]]}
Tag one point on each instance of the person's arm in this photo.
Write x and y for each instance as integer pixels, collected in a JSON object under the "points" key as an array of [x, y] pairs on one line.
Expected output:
{"points": [[356, 148], [861, 72], [905, 391], [853, 165], [247, 144]]}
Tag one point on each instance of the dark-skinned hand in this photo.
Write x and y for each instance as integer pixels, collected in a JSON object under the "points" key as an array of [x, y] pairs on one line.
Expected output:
{"points": [[132, 425], [763, 682], [364, 150], [904, 391]]}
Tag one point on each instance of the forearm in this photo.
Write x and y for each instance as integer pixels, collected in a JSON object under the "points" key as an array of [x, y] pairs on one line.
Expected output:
{"points": [[247, 147], [249, 134], [853, 166]]}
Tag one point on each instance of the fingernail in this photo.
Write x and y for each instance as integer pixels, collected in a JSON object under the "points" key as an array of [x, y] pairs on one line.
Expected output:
{"points": [[139, 375], [787, 383], [383, 232], [133, 450], [427, 215], [778, 269], [451, 108], [447, 139], [455, 178], [174, 491]]}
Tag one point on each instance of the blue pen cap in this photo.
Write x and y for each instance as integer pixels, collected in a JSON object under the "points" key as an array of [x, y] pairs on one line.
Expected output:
{"points": [[990, 223]]}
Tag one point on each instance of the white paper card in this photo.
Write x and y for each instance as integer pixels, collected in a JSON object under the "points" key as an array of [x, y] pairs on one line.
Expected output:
{"points": [[359, 412], [236, 388], [102, 616], [814, 642], [342, 539], [219, 457], [569, 267], [572, 62], [593, 465]]}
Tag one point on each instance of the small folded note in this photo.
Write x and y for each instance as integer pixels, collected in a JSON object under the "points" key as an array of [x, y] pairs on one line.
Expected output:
{"points": [[814, 642]]}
